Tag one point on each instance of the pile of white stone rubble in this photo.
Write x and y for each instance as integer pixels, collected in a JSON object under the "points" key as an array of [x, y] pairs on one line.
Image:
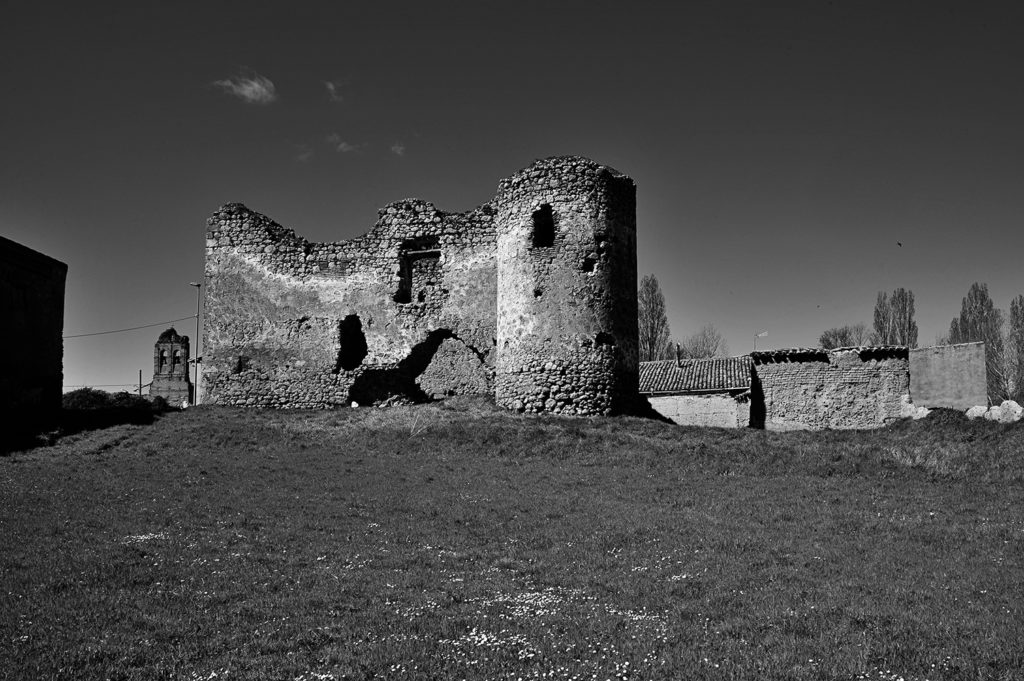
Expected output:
{"points": [[1007, 412]]}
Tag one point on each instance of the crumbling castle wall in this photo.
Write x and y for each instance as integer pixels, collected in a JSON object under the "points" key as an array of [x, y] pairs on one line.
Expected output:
{"points": [[567, 302], [410, 308], [290, 323], [819, 389]]}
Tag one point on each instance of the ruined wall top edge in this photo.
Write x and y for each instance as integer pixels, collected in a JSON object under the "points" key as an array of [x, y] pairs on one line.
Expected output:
{"points": [[866, 352], [583, 168], [236, 219]]}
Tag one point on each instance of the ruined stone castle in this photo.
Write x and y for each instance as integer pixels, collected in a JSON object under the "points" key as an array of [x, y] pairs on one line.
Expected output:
{"points": [[530, 297]]}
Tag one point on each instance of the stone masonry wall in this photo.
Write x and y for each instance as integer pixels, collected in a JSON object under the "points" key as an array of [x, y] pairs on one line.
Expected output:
{"points": [[567, 305], [839, 389], [290, 323], [411, 308]]}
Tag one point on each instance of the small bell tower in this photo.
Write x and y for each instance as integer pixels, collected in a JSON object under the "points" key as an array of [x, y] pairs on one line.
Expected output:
{"points": [[170, 368]]}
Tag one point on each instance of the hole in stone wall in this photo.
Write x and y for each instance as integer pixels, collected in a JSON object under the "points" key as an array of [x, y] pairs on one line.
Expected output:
{"points": [[543, 227], [604, 338], [589, 264], [537, 292], [419, 269], [375, 384], [352, 342]]}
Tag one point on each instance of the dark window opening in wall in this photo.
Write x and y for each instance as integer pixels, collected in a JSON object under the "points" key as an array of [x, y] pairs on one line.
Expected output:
{"points": [[352, 348], [419, 270], [241, 364], [604, 338], [543, 227]]}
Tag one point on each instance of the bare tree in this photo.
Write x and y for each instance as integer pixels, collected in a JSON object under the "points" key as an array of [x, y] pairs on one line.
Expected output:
{"points": [[1014, 351], [894, 319], [844, 336], [706, 343], [979, 320], [652, 320]]}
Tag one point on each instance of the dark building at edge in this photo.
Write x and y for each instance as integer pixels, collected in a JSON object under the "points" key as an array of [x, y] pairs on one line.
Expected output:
{"points": [[32, 319]]}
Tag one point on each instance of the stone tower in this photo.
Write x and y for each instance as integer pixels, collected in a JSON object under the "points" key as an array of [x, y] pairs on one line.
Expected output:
{"points": [[170, 368], [567, 305]]}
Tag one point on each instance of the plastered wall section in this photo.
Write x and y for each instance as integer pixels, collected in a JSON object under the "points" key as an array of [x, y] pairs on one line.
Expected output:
{"points": [[719, 411], [408, 307], [951, 376], [841, 390], [32, 307], [567, 329]]}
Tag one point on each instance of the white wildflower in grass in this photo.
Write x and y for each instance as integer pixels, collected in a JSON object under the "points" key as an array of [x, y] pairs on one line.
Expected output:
{"points": [[140, 538]]}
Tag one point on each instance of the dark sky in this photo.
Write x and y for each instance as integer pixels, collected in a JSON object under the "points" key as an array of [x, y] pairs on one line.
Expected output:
{"points": [[781, 150]]}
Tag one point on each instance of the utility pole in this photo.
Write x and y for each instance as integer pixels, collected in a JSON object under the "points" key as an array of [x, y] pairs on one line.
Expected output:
{"points": [[140, 382], [195, 353]]}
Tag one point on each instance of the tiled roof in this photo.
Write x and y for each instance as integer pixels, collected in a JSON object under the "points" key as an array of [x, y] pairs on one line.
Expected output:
{"points": [[865, 351], [695, 375]]}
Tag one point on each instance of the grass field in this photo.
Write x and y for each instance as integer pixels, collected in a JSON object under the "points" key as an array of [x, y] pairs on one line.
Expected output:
{"points": [[455, 541]]}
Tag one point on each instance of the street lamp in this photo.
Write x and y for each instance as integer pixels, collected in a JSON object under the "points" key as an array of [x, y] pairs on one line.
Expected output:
{"points": [[195, 354]]}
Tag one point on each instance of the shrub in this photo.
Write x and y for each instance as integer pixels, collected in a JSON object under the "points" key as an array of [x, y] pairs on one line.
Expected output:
{"points": [[86, 398]]}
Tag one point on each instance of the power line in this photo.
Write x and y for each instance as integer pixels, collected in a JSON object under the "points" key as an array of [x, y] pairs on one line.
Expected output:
{"points": [[132, 328]]}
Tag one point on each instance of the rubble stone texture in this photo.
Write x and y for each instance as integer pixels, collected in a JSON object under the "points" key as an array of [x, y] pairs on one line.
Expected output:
{"points": [[977, 411], [530, 297], [1007, 412], [821, 389], [170, 368]]}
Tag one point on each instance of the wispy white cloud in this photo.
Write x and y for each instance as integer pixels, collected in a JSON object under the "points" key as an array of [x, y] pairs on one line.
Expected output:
{"points": [[252, 89], [398, 149], [303, 153], [333, 90], [340, 145]]}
